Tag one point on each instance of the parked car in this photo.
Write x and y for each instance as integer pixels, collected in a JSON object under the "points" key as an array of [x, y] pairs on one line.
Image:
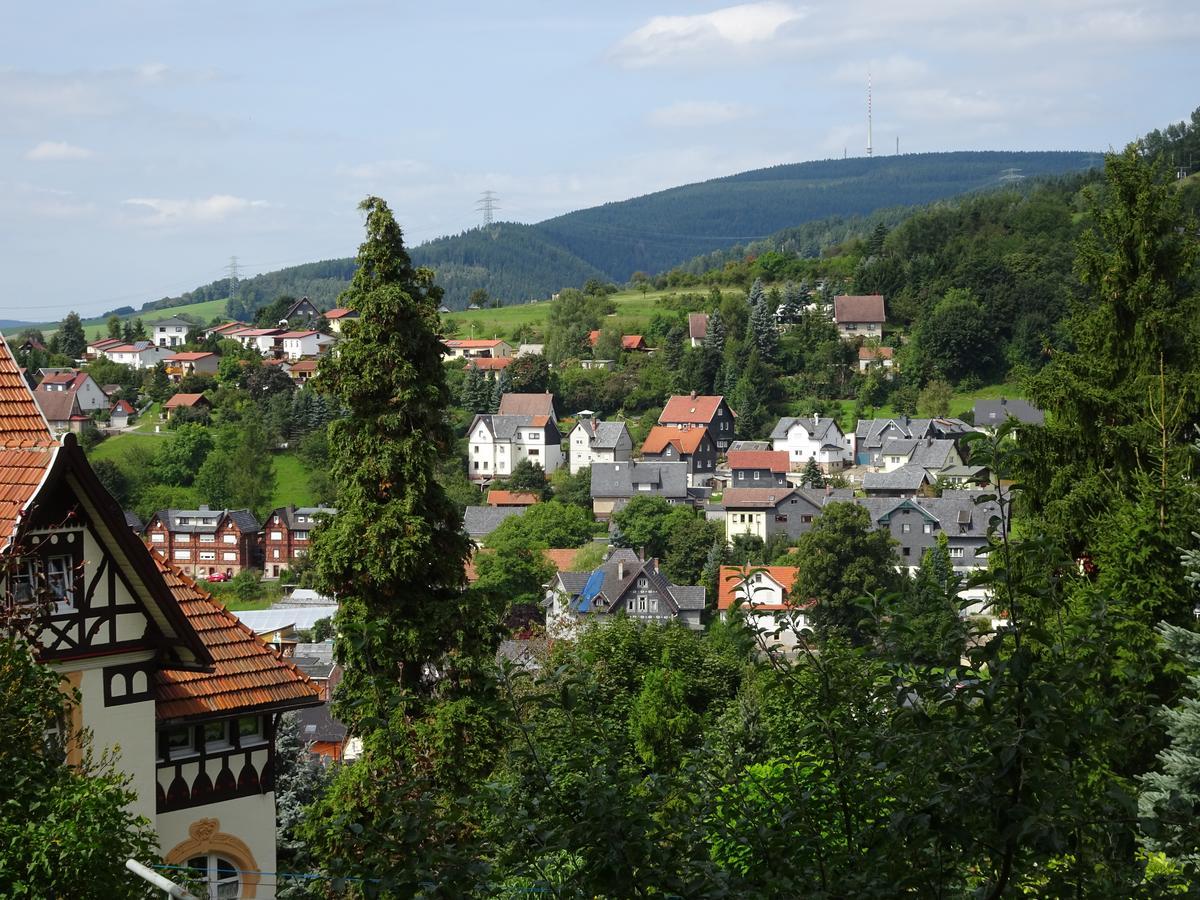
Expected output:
{"points": [[217, 576]]}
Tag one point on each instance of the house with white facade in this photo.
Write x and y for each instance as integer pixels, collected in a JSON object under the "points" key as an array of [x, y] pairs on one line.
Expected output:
{"points": [[871, 434], [859, 316], [191, 362], [763, 595], [496, 444], [463, 348], [260, 339], [592, 441], [934, 455], [339, 316], [295, 345], [139, 354], [816, 438], [171, 332], [88, 394], [189, 695]]}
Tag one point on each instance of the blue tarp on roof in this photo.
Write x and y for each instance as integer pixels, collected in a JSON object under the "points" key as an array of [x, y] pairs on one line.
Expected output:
{"points": [[591, 590]]}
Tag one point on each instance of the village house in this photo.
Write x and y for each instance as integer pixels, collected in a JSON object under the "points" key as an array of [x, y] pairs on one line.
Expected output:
{"points": [[859, 316], [95, 349], [693, 446], [480, 521], [287, 536], [189, 695], [763, 594], [528, 405], [339, 316], [907, 481], [294, 345], [139, 354], [511, 498], [461, 348], [758, 468], [870, 435], [62, 412], [303, 370], [121, 414], [934, 455], [531, 350], [185, 401], [816, 438], [259, 339], [171, 332], [489, 363], [202, 542], [915, 523], [592, 441], [301, 312], [691, 411], [879, 357], [633, 343], [497, 443], [225, 330], [767, 511], [90, 395], [697, 328], [191, 362], [623, 585], [615, 483]]}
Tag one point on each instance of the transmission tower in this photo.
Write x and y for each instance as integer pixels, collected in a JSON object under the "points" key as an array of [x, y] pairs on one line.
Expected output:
{"points": [[233, 275], [487, 205], [1010, 176]]}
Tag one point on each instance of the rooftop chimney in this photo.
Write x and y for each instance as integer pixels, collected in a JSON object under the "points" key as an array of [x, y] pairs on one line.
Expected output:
{"points": [[620, 570], [692, 395]]}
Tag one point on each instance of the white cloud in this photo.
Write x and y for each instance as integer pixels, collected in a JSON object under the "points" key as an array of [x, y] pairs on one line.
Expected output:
{"points": [[698, 113], [217, 208], [56, 151], [665, 40], [384, 168]]}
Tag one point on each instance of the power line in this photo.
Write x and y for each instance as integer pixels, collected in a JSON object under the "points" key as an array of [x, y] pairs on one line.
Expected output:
{"points": [[487, 204], [233, 276]]}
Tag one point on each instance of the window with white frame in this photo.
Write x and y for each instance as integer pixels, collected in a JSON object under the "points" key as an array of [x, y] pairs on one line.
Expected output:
{"points": [[216, 735], [277, 535], [157, 537], [182, 554], [218, 875], [208, 555], [229, 538], [956, 552], [22, 582], [228, 556]]}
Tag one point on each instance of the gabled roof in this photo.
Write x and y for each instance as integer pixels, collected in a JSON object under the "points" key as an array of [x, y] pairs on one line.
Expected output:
{"points": [[527, 405], [189, 356], [242, 519], [490, 363], [731, 579], [504, 428], [755, 498], [67, 377], [247, 675], [172, 320], [105, 344], [687, 440], [775, 460], [905, 478], [473, 343], [259, 332], [186, 401], [58, 406], [737, 446], [135, 347], [480, 521], [690, 410], [621, 479], [858, 308], [928, 453], [289, 516], [511, 498], [994, 412], [123, 406], [818, 428], [865, 353], [617, 575], [341, 312], [27, 448], [873, 432], [603, 435], [697, 326], [304, 365]]}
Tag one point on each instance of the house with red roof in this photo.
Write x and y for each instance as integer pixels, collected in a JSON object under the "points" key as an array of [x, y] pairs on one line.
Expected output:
{"points": [[859, 315], [463, 348], [188, 694], [758, 468], [90, 395], [883, 357], [185, 401], [339, 316], [191, 362], [693, 446], [489, 363], [295, 345], [633, 343], [121, 414], [763, 594], [511, 498], [691, 411]]}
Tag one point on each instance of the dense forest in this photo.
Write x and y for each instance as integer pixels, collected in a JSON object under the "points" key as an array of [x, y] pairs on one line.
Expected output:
{"points": [[515, 263]]}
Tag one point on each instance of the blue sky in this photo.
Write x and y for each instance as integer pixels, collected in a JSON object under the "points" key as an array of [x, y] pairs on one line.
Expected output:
{"points": [[144, 143]]}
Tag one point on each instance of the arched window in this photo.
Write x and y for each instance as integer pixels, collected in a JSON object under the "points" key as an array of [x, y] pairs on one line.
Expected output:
{"points": [[218, 875]]}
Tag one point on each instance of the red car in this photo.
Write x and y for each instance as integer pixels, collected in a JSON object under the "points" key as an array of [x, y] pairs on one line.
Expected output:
{"points": [[217, 576]]}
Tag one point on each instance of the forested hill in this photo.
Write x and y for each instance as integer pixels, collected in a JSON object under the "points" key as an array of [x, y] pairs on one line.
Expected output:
{"points": [[658, 231]]}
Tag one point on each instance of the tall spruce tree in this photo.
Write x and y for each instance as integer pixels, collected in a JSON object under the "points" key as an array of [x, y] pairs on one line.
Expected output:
{"points": [[71, 339], [472, 387], [763, 332], [714, 338], [757, 294]]}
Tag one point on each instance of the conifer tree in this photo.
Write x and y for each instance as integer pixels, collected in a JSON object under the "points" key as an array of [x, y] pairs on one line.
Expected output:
{"points": [[714, 338], [756, 295], [812, 476], [471, 387], [763, 333], [71, 339]]}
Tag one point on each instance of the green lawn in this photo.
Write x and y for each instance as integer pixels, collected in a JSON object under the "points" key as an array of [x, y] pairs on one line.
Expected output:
{"points": [[118, 446], [291, 482], [960, 402], [97, 327]]}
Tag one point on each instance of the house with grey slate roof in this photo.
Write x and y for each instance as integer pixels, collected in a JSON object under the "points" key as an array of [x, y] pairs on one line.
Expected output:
{"points": [[287, 536], [202, 542], [766, 512], [870, 435], [480, 521], [931, 454], [915, 523], [613, 484], [593, 441], [623, 585], [990, 413], [496, 444], [907, 481], [813, 437]]}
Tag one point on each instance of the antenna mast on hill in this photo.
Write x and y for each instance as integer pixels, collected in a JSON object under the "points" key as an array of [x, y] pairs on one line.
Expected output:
{"points": [[487, 205], [868, 113], [233, 275]]}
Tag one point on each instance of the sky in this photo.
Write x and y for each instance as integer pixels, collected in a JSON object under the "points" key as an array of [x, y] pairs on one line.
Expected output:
{"points": [[145, 142]]}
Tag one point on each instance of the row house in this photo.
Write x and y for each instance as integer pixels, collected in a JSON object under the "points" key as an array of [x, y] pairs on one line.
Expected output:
{"points": [[691, 411], [462, 348], [615, 484], [816, 438], [593, 441], [871, 434], [693, 447], [498, 443], [763, 595], [90, 395], [859, 316], [764, 512], [189, 696], [139, 354], [203, 542], [622, 585], [287, 536], [191, 362], [171, 332], [758, 468]]}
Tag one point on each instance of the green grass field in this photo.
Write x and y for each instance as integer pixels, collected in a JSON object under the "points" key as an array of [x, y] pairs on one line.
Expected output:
{"points": [[960, 402], [291, 482], [97, 327]]}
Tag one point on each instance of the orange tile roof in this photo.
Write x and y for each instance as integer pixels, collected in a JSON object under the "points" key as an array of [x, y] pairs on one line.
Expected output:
{"points": [[189, 356], [304, 365], [563, 560], [775, 460], [876, 353], [474, 344], [685, 440], [732, 577], [490, 363], [511, 498], [690, 410], [339, 312], [633, 342], [26, 446], [247, 676], [184, 400]]}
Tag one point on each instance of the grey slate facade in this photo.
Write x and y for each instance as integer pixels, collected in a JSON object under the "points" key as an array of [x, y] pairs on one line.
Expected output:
{"points": [[870, 434], [915, 524], [613, 484]]}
